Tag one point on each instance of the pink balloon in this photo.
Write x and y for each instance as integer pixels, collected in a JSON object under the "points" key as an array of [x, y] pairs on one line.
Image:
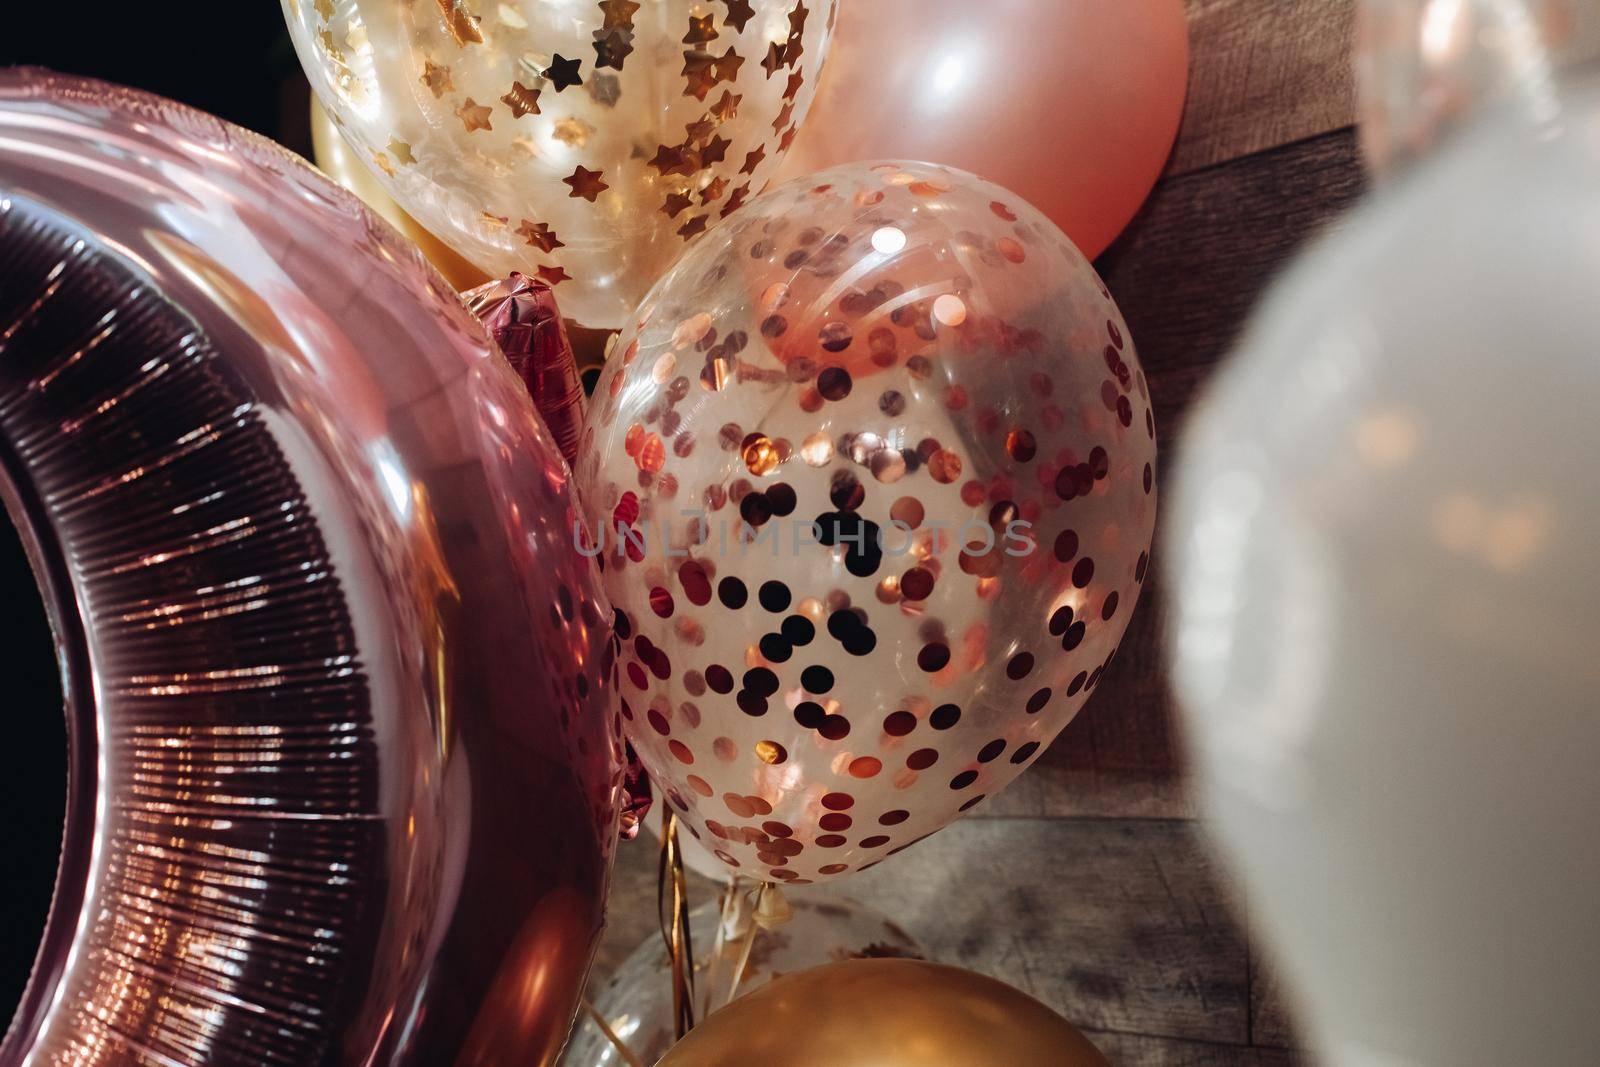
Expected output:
{"points": [[343, 763], [1072, 105]]}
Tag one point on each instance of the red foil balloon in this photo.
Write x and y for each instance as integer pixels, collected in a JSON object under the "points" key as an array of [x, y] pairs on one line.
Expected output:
{"points": [[343, 770], [1071, 104]]}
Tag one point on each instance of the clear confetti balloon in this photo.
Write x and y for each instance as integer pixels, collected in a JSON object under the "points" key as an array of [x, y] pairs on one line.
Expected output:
{"points": [[583, 142], [883, 462], [637, 1002]]}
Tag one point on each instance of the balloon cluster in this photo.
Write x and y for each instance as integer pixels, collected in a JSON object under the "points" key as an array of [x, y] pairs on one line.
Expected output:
{"points": [[871, 474]]}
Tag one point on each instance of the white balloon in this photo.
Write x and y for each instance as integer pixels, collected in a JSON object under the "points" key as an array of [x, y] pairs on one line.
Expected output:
{"points": [[1425, 68], [1387, 628]]}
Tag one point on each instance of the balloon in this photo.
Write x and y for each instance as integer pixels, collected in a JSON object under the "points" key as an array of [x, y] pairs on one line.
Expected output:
{"points": [[581, 142], [920, 398], [1074, 106], [1387, 609], [637, 1002], [338, 161], [343, 756], [1424, 67], [884, 1013], [522, 317]]}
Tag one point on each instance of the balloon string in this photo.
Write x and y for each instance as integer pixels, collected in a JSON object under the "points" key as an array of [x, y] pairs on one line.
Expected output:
{"points": [[748, 941], [735, 921], [627, 1054], [673, 912]]}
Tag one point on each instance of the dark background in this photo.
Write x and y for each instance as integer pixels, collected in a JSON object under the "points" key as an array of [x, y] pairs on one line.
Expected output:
{"points": [[229, 57]]}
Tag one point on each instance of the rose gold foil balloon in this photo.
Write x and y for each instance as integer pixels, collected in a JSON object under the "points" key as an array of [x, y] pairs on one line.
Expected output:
{"points": [[343, 768], [885, 1013], [583, 142], [885, 459], [1426, 67], [1072, 104]]}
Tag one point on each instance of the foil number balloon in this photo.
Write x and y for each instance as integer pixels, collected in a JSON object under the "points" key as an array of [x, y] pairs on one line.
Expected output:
{"points": [[1388, 609], [343, 771], [579, 141], [885, 462]]}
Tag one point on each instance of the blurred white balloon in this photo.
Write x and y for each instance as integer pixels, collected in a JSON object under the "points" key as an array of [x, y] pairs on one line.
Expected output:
{"points": [[1424, 67], [1387, 628]]}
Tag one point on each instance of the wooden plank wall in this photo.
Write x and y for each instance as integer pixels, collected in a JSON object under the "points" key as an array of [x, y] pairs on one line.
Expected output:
{"points": [[1087, 883]]}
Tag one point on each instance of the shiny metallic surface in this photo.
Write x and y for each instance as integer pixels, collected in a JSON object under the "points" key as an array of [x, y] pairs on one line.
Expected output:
{"points": [[344, 767]]}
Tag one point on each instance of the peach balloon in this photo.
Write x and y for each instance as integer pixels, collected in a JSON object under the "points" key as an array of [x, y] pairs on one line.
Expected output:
{"points": [[1071, 105]]}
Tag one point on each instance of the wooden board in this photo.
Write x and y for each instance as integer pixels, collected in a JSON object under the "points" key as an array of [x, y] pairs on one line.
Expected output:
{"points": [[1263, 73], [1124, 925]]}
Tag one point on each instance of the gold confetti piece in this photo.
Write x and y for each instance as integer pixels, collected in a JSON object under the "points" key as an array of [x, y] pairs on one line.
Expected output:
{"points": [[539, 235], [727, 108], [436, 78], [521, 100], [586, 183], [474, 116], [553, 275], [701, 30], [401, 151], [739, 13], [462, 24]]}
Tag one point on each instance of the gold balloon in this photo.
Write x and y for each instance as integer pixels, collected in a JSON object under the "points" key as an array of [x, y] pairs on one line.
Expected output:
{"points": [[338, 161], [885, 1013]]}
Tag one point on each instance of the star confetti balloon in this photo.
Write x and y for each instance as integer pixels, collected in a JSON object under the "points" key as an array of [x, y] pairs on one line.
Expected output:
{"points": [[582, 142], [872, 471]]}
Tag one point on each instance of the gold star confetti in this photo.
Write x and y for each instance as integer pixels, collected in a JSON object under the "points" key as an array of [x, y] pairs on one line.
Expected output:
{"points": [[437, 78], [783, 116], [775, 60], [739, 13], [462, 24], [572, 132], [752, 160], [713, 190], [797, 80], [674, 204], [497, 222], [612, 47], [329, 46], [619, 13], [693, 227], [797, 19], [788, 138], [715, 151], [563, 72], [701, 30], [539, 235], [401, 151], [383, 164], [727, 109], [474, 116], [672, 160], [553, 275], [324, 8], [736, 201], [728, 66], [700, 70], [521, 100], [700, 129], [586, 183]]}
